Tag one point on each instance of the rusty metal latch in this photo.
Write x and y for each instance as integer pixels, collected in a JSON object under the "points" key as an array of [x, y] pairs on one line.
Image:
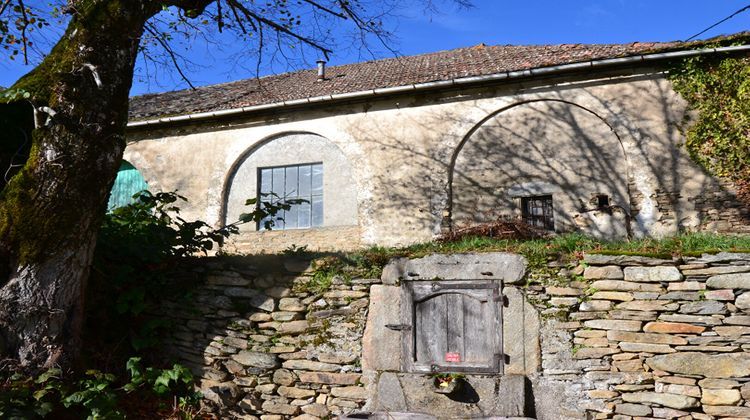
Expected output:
{"points": [[398, 327]]}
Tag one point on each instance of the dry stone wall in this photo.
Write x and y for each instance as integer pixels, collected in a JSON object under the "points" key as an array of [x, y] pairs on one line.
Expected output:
{"points": [[264, 344], [618, 337], [648, 338]]}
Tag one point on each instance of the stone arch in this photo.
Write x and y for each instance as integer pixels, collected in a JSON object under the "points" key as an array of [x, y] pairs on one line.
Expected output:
{"points": [[542, 147], [293, 148]]}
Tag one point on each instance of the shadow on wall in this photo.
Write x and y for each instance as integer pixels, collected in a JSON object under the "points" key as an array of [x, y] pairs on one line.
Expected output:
{"points": [[609, 156], [262, 340]]}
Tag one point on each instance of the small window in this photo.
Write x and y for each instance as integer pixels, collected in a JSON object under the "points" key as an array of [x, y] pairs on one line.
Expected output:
{"points": [[537, 211], [454, 327], [602, 201], [293, 182]]}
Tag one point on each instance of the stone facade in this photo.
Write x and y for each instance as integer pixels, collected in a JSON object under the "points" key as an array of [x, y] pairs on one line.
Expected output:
{"points": [[620, 337], [399, 169]]}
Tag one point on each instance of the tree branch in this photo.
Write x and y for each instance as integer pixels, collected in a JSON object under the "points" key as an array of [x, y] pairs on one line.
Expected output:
{"points": [[250, 15], [150, 29]]}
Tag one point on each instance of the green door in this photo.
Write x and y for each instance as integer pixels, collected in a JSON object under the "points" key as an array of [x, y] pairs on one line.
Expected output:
{"points": [[128, 182]]}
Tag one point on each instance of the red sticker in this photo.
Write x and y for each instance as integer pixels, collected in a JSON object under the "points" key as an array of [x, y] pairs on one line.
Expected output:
{"points": [[452, 357]]}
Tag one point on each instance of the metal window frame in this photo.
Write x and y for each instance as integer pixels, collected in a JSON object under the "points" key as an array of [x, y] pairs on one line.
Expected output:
{"points": [[259, 224], [548, 212]]}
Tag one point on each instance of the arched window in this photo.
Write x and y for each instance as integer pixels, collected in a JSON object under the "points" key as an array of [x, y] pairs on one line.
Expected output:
{"points": [[128, 182]]}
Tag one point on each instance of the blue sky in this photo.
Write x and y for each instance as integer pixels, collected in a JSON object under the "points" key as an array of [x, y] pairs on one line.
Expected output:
{"points": [[490, 22]]}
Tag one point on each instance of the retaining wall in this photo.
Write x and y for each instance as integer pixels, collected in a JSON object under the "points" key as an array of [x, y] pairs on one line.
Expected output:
{"points": [[619, 337]]}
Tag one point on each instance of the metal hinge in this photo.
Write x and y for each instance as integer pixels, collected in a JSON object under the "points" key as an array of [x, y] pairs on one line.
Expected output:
{"points": [[398, 327]]}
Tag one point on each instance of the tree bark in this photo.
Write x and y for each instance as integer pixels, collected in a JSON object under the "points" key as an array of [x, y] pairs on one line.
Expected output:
{"points": [[50, 211]]}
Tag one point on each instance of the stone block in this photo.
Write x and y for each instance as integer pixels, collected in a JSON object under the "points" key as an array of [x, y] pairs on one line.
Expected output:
{"points": [[667, 400], [294, 327], [280, 408], [646, 348], [593, 353], [256, 359], [625, 286], [521, 326], [712, 383], [563, 291], [734, 365], [285, 316], [647, 305], [284, 377], [722, 294], [706, 307], [652, 274], [595, 305], [633, 409], [311, 365], [329, 378], [712, 271], [727, 411], [686, 285], [291, 392], [490, 266], [689, 390], [732, 331], [317, 410], [380, 345], [647, 338], [291, 305], [599, 259], [616, 296], [743, 301], [609, 324], [737, 320], [690, 319], [729, 281], [350, 392], [611, 272]]}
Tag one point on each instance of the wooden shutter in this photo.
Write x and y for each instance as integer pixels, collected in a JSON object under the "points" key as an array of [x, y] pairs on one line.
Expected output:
{"points": [[128, 182], [455, 327]]}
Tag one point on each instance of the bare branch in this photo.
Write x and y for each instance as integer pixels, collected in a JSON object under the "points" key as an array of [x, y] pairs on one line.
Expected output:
{"points": [[4, 6], [150, 29], [24, 38], [326, 9], [250, 15]]}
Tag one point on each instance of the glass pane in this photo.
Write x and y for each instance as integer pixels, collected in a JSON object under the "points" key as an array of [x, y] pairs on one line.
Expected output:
{"points": [[265, 181], [278, 182], [290, 217], [305, 180], [317, 211], [278, 220], [304, 215], [317, 179], [291, 189]]}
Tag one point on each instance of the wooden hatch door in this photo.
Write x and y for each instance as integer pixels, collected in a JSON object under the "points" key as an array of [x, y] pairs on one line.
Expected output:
{"points": [[455, 327]]}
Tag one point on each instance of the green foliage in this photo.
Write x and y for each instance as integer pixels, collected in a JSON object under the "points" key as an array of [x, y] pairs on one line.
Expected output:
{"points": [[95, 395], [565, 249], [719, 89], [140, 248]]}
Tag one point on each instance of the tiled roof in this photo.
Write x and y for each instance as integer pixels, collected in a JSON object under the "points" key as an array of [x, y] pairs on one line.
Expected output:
{"points": [[443, 65]]}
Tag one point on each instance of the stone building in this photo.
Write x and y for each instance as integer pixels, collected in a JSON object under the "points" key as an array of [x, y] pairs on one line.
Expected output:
{"points": [[394, 151]]}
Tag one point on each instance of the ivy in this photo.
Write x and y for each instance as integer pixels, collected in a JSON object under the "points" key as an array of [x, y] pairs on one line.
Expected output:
{"points": [[719, 90]]}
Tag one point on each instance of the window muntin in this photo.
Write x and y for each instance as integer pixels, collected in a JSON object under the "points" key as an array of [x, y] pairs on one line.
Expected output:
{"points": [[537, 211], [293, 182]]}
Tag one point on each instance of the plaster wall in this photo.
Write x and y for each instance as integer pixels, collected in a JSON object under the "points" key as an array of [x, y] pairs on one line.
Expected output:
{"points": [[402, 151]]}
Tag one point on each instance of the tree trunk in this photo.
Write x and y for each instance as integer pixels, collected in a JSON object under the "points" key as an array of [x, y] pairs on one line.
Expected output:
{"points": [[50, 211]]}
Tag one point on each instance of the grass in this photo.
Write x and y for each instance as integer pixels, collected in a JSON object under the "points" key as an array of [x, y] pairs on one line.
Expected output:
{"points": [[566, 248]]}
